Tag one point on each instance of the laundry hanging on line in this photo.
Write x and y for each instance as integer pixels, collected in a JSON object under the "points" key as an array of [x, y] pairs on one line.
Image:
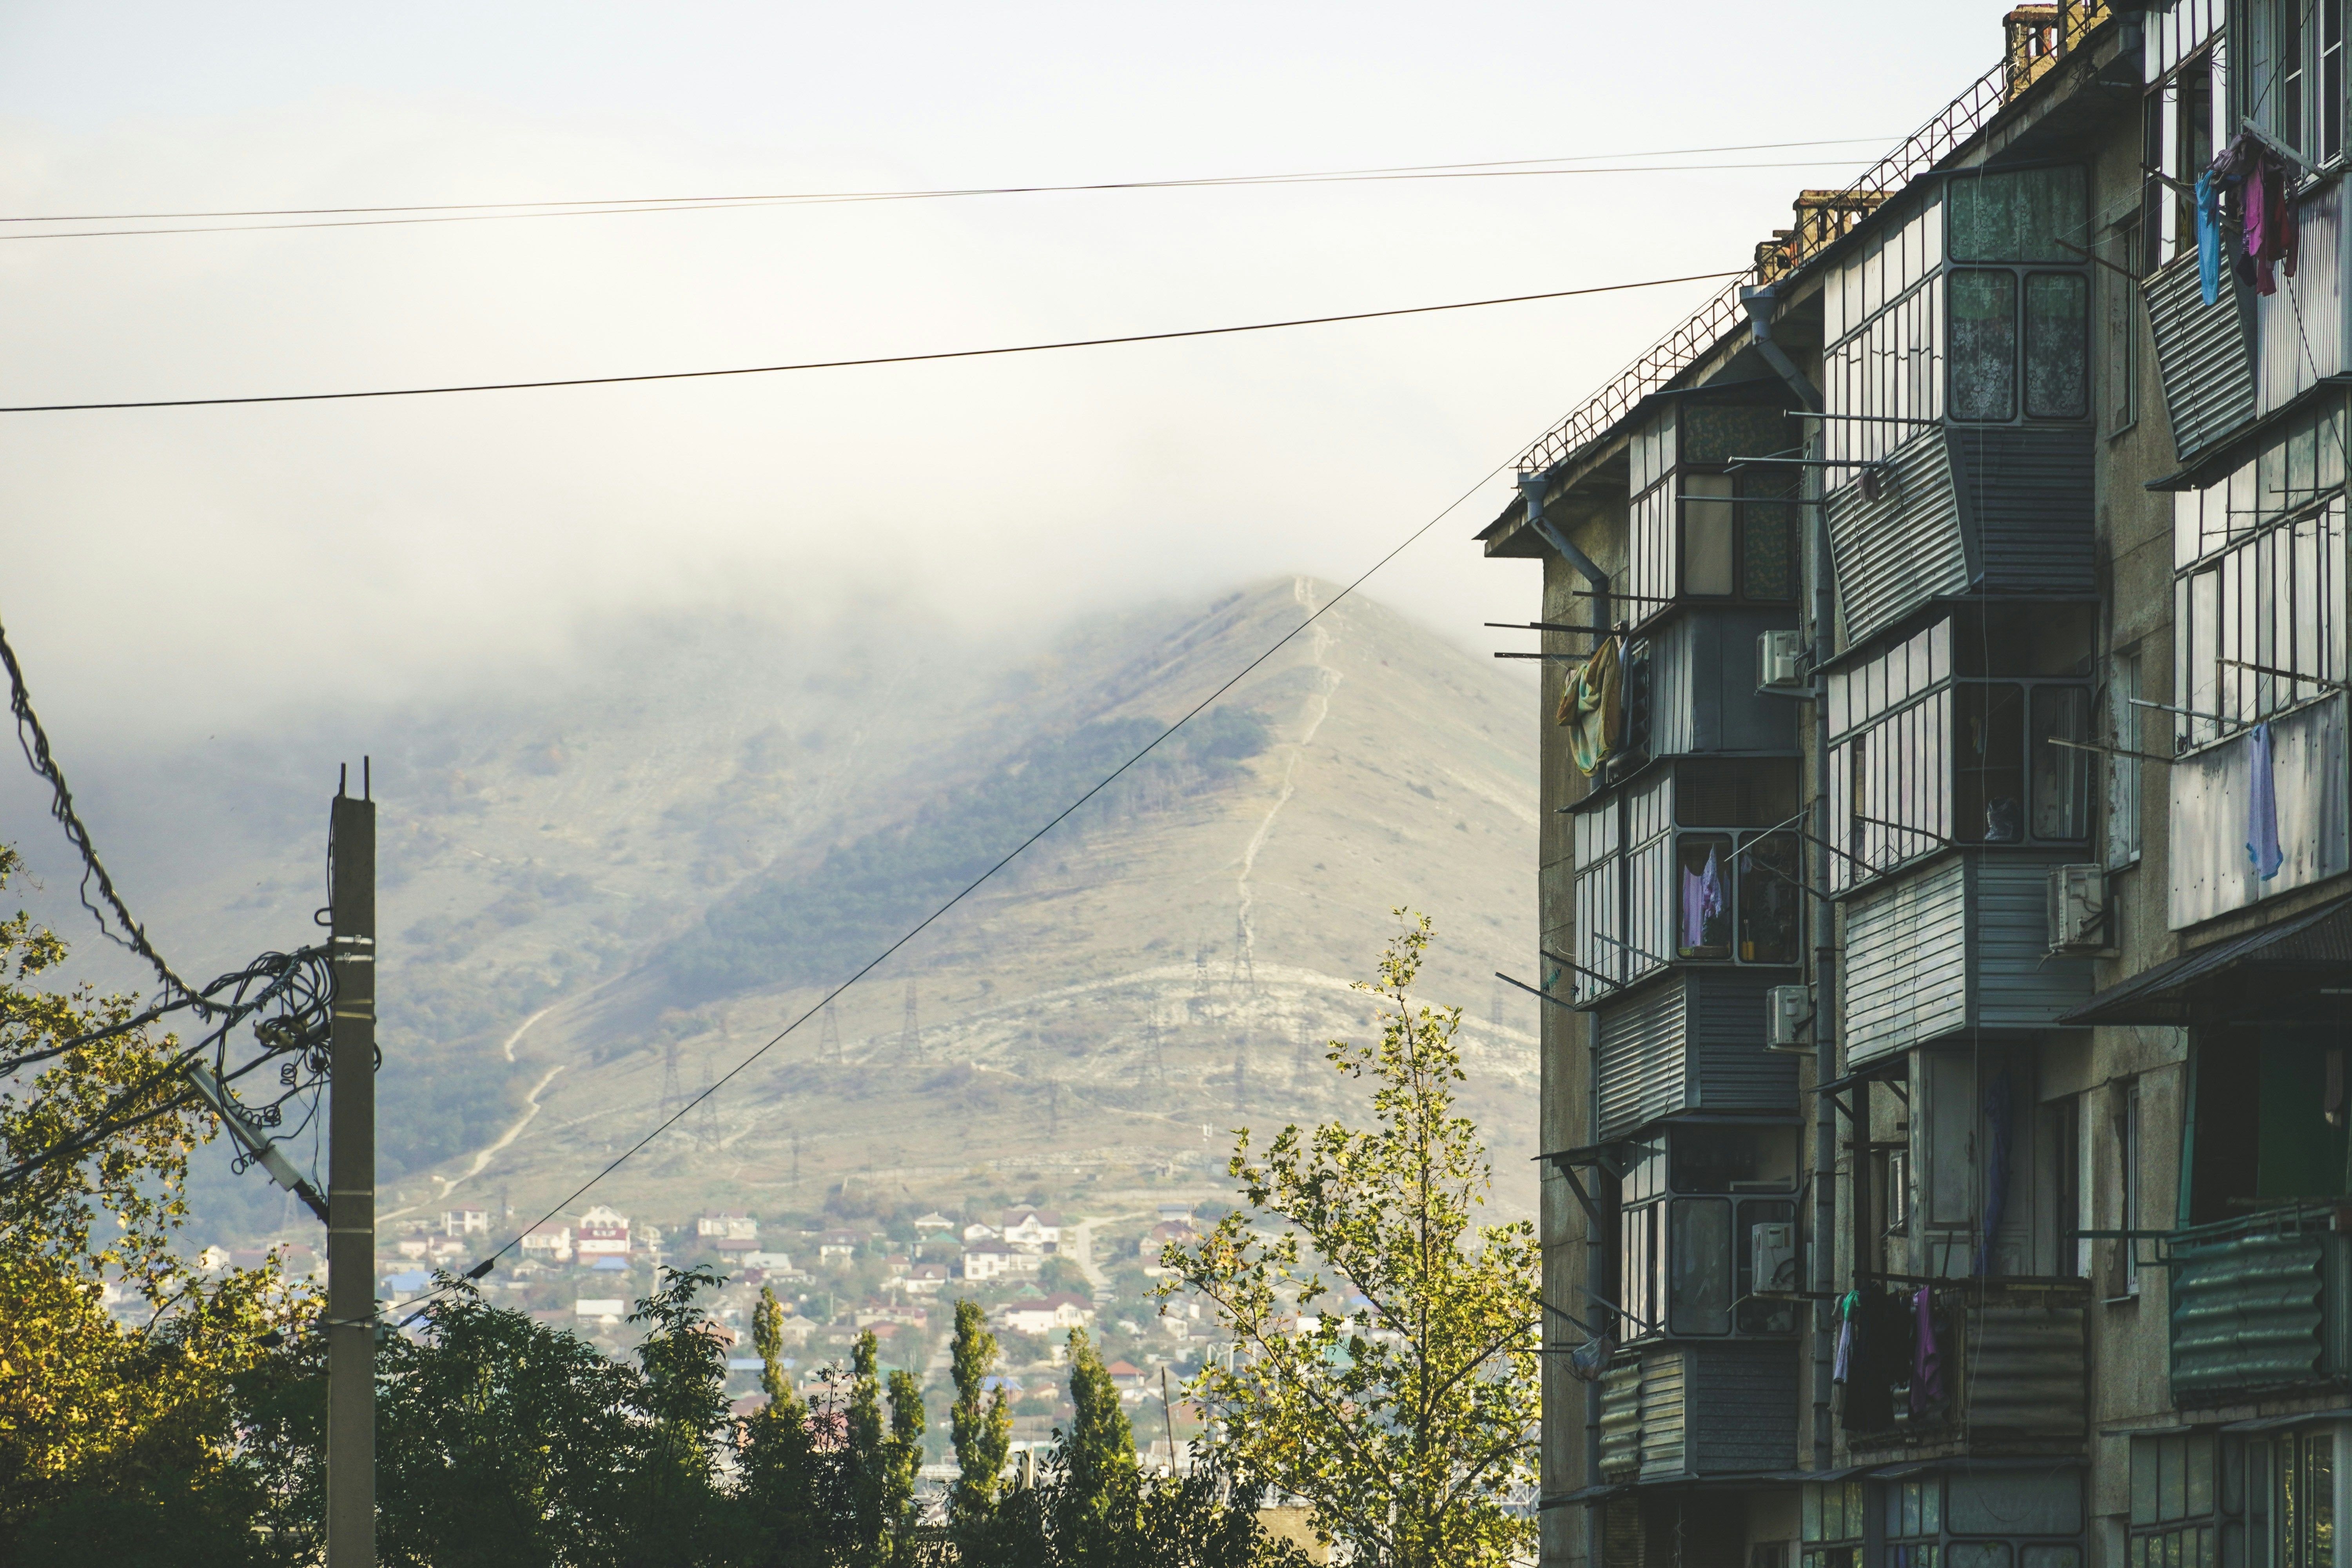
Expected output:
{"points": [[1593, 707], [1702, 900], [2262, 806]]}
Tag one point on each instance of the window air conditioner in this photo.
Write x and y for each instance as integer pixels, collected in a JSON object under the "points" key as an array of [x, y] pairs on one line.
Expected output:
{"points": [[1789, 1015], [1774, 1255], [2078, 909], [1780, 660]]}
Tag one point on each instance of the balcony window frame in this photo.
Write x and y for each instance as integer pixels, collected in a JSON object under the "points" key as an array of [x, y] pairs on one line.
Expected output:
{"points": [[1666, 507], [2288, 73], [1668, 1293], [1628, 848]]}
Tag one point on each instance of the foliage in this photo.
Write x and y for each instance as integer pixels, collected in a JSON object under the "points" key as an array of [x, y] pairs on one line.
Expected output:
{"points": [[980, 1420], [812, 925], [115, 1439], [1405, 1418]]}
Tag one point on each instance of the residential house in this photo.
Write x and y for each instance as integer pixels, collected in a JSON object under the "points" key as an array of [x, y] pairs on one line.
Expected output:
{"points": [[1946, 886], [897, 1313], [1033, 1230], [986, 1260], [548, 1243], [976, 1231], [926, 1279], [465, 1222], [602, 1233], [604, 1311], [934, 1225], [767, 1262], [1126, 1375], [1055, 1314], [836, 1246], [730, 1232]]}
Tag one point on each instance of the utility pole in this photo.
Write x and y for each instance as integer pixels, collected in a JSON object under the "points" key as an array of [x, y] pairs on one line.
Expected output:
{"points": [[829, 1041], [350, 1182], [910, 1032]]}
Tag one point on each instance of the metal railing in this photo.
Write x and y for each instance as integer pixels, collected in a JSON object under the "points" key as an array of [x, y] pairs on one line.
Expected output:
{"points": [[2034, 43]]}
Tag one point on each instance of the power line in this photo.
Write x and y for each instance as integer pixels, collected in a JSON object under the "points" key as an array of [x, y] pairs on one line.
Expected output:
{"points": [[975, 884], [853, 363], [452, 212]]}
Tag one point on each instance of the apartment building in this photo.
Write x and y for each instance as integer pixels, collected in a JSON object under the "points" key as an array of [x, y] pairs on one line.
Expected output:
{"points": [[1946, 874]]}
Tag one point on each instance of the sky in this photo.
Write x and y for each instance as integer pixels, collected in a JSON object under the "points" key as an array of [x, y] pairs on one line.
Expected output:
{"points": [[170, 572]]}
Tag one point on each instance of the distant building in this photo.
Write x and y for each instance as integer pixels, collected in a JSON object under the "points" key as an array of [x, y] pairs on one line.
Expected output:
{"points": [[1126, 1375], [836, 1246], [1161, 1235], [1033, 1230], [1180, 1213], [929, 1223], [549, 1243], [772, 1262], [465, 1222], [896, 1313], [1051, 1315], [986, 1260], [605, 1311], [927, 1278], [730, 1231], [979, 1232], [601, 1233]]}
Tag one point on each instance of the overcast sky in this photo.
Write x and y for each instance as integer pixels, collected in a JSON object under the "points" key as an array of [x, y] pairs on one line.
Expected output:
{"points": [[180, 569]]}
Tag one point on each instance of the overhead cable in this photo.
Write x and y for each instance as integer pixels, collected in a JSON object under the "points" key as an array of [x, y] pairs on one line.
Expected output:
{"points": [[853, 363], [450, 211]]}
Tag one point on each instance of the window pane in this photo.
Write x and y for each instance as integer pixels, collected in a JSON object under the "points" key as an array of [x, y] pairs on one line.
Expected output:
{"points": [[2017, 216], [1769, 874], [2169, 1455], [1703, 892], [2057, 346], [1707, 533], [1984, 345], [1978, 1554], [1989, 765], [2018, 1502], [2143, 1481], [2200, 1484], [2061, 776], [1700, 1265], [2319, 1499], [1768, 533], [2051, 1557]]}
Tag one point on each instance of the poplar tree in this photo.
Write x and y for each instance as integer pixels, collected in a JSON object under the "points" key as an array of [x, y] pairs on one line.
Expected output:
{"points": [[1406, 1418], [981, 1423]]}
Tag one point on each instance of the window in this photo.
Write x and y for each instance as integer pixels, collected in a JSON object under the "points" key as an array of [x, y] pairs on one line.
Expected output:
{"points": [[1832, 1524], [1979, 1521], [1984, 345], [2123, 335], [1708, 873], [1927, 751], [2293, 82], [1692, 1201], [2126, 1277], [2057, 346], [1697, 532], [2122, 770]]}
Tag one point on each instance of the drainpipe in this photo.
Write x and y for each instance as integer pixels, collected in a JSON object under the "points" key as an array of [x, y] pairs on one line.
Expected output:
{"points": [[1760, 304], [1531, 491], [1597, 1251]]}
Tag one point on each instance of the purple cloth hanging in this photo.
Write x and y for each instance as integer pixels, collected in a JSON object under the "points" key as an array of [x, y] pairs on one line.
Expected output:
{"points": [[1702, 900], [1927, 1361], [2262, 806]]}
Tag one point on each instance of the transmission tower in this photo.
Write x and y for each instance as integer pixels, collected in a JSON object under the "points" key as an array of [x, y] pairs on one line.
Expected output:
{"points": [[1201, 967], [1241, 1075], [1244, 962], [1495, 1012], [670, 1091], [796, 1157], [706, 1119], [1302, 1060], [910, 1032], [1155, 1063], [1053, 1108]]}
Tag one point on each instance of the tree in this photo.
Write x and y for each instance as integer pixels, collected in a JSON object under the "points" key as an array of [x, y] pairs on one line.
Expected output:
{"points": [[981, 1423], [1405, 1418], [1094, 1460], [881, 1461], [116, 1438], [789, 1494]]}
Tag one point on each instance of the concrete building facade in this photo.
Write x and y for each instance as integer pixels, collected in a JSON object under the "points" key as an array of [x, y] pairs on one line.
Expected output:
{"points": [[1947, 870]]}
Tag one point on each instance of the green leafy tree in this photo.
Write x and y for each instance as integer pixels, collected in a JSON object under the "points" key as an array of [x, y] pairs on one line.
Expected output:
{"points": [[981, 1423], [116, 1438], [1406, 1418], [902, 1456], [1094, 1460]]}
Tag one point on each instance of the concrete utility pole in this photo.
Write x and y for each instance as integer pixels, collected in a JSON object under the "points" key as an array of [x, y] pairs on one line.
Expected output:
{"points": [[351, 1186]]}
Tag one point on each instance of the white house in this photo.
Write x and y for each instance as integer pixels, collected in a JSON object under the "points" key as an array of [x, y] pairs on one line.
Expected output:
{"points": [[729, 1231], [979, 1232], [836, 1246], [927, 1278], [604, 1310], [775, 1262], [601, 1233], [465, 1222], [934, 1221], [1033, 1230], [1048, 1316], [984, 1260], [549, 1243]]}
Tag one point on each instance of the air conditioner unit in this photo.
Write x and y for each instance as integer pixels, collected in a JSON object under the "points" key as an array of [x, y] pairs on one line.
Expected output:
{"points": [[2078, 909], [1773, 1251], [1780, 660], [1789, 1015]]}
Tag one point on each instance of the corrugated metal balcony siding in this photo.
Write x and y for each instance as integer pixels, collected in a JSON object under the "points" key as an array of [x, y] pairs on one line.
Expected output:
{"points": [[1694, 1041], [2025, 1381], [1960, 944], [2299, 330], [1899, 551], [2205, 354], [2258, 1313], [2025, 495], [2210, 872], [1906, 963], [1670, 1411], [1702, 686]]}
